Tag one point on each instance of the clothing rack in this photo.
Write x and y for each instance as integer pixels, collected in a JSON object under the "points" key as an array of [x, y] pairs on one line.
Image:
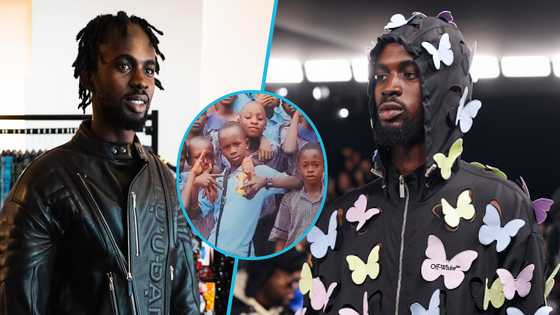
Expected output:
{"points": [[151, 130]]}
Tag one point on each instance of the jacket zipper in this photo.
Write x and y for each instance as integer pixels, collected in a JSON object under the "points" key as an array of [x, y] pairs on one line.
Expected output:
{"points": [[113, 294], [404, 193], [129, 276], [135, 224], [104, 224], [171, 272]]}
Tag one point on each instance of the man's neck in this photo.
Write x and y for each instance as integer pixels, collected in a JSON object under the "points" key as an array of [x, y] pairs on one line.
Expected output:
{"points": [[408, 159], [109, 134]]}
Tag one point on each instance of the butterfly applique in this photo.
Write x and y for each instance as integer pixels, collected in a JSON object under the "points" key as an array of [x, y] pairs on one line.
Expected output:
{"points": [[320, 242], [492, 229], [320, 295], [541, 206], [498, 172], [549, 284], [447, 17], [543, 310], [442, 54], [358, 212], [433, 306], [466, 112], [396, 21], [306, 279], [445, 163], [360, 269], [350, 311], [521, 284], [437, 265], [493, 295], [464, 210]]}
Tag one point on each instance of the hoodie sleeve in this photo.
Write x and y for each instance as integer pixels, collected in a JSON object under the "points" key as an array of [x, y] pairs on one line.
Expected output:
{"points": [[526, 249]]}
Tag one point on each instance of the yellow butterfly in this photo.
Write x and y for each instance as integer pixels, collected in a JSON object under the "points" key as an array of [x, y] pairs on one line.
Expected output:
{"points": [[305, 279], [445, 163], [549, 284], [498, 172], [361, 270], [464, 209], [494, 294]]}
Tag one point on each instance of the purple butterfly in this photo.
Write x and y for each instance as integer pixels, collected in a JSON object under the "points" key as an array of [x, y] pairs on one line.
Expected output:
{"points": [[541, 206], [447, 17]]}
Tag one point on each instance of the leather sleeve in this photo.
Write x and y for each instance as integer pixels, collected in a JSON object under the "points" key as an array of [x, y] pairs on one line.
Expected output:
{"points": [[28, 248], [185, 298]]}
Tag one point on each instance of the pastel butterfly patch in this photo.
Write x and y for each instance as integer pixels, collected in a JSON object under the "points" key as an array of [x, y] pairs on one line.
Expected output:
{"points": [[321, 242], [360, 269], [445, 163], [494, 295], [521, 284], [549, 284], [350, 311], [464, 209], [498, 172], [437, 265], [358, 212], [492, 229], [467, 112], [541, 206], [543, 310], [396, 21], [320, 295], [447, 17], [441, 54], [433, 307], [306, 279]]}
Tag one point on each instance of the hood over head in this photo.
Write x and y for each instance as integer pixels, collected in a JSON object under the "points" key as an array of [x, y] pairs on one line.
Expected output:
{"points": [[441, 88]]}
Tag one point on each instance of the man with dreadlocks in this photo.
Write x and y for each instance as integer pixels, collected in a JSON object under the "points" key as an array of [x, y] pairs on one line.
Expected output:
{"points": [[93, 226], [433, 234]]}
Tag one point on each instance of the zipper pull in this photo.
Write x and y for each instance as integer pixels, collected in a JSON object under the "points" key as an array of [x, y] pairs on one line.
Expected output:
{"points": [[171, 271], [111, 284], [401, 186], [133, 199]]}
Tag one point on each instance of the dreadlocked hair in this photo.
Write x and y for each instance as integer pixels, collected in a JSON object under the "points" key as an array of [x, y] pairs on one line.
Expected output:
{"points": [[94, 33]]}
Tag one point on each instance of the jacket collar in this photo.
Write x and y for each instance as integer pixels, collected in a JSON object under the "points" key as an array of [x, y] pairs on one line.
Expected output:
{"points": [[87, 141]]}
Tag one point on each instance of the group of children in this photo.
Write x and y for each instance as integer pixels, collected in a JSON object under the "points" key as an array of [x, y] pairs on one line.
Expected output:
{"points": [[252, 174]]}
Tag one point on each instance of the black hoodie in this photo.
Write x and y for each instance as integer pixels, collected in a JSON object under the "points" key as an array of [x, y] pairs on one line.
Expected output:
{"points": [[411, 212]]}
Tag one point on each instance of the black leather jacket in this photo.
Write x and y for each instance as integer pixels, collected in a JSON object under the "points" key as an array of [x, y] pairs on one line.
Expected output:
{"points": [[67, 247]]}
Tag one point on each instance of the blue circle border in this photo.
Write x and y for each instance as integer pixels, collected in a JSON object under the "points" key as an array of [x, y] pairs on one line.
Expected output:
{"points": [[325, 179]]}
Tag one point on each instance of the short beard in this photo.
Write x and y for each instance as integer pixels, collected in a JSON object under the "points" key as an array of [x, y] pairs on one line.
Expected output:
{"points": [[409, 133], [117, 118]]}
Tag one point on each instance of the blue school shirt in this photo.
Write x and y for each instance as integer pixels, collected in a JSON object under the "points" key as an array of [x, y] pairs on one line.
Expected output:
{"points": [[238, 218]]}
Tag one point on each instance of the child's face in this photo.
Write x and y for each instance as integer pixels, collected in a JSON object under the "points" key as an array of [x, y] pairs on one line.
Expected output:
{"points": [[253, 120], [204, 149], [234, 146], [310, 166]]}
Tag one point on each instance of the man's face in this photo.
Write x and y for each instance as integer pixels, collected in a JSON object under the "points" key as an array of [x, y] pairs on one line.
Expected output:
{"points": [[234, 145], [123, 84], [253, 119], [281, 287], [398, 98], [201, 148], [310, 166]]}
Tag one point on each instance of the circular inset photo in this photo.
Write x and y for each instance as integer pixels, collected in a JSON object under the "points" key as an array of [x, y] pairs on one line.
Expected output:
{"points": [[252, 174]]}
